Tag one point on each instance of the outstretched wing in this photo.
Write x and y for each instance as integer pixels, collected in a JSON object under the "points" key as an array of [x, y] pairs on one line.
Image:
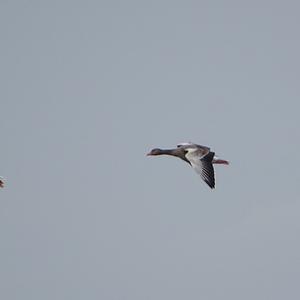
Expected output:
{"points": [[203, 166], [207, 172]]}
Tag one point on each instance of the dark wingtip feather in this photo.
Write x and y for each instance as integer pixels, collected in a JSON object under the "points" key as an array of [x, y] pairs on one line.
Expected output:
{"points": [[208, 170]]}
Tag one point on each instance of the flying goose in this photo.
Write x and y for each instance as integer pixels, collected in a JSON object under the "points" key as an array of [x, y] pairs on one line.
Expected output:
{"points": [[1, 183], [199, 157]]}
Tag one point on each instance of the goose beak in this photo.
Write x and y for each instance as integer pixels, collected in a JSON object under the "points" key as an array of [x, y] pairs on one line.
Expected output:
{"points": [[148, 154]]}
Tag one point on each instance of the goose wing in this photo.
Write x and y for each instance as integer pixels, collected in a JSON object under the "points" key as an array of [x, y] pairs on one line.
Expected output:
{"points": [[202, 164]]}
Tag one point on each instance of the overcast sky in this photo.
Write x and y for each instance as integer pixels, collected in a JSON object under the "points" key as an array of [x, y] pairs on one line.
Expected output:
{"points": [[88, 88]]}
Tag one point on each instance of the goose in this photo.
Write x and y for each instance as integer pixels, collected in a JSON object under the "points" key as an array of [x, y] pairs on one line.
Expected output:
{"points": [[1, 183], [199, 157]]}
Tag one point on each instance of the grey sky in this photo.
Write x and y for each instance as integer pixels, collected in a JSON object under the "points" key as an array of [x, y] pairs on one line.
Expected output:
{"points": [[87, 88]]}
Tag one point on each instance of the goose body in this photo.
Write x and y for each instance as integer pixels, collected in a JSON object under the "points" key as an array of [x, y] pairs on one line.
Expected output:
{"points": [[199, 157], [1, 183]]}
